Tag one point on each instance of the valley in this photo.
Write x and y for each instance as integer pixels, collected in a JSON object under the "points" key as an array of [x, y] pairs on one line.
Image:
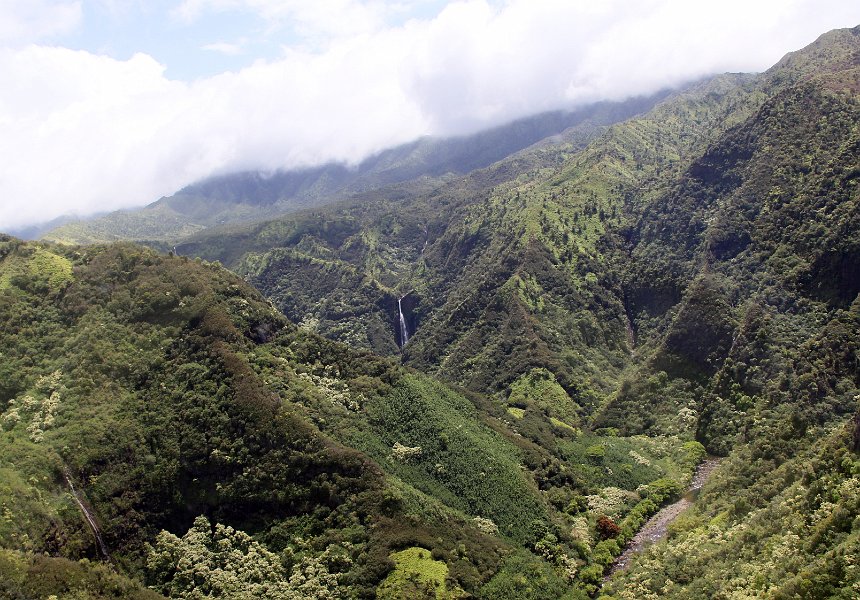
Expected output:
{"points": [[467, 368], [657, 527]]}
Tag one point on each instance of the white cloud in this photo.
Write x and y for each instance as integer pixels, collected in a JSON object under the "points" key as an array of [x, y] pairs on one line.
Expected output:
{"points": [[27, 21], [320, 19], [83, 133], [225, 48]]}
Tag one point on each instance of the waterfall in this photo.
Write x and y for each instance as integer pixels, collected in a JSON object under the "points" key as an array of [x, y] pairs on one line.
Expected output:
{"points": [[90, 520], [404, 331]]}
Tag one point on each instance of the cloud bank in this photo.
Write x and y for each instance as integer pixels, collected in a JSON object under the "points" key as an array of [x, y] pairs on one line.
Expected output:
{"points": [[83, 133], [34, 20]]}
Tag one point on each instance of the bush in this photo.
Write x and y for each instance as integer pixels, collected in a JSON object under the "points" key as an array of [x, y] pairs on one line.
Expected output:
{"points": [[607, 528]]}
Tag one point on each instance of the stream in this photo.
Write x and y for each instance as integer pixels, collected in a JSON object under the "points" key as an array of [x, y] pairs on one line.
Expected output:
{"points": [[657, 526]]}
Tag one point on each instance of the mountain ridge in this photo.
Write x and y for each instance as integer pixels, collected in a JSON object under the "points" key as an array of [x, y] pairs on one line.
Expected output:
{"points": [[252, 196], [587, 320]]}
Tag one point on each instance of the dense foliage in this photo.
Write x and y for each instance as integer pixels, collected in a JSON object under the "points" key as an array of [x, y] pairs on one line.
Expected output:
{"points": [[209, 441], [598, 313], [773, 522]]}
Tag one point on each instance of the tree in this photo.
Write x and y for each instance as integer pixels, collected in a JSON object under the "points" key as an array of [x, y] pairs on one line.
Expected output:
{"points": [[226, 563]]}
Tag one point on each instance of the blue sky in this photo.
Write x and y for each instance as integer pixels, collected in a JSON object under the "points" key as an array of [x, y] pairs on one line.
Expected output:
{"points": [[107, 104], [188, 50], [201, 38]]}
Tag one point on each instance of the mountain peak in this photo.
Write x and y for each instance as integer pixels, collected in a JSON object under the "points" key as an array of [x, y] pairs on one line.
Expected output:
{"points": [[836, 51]]}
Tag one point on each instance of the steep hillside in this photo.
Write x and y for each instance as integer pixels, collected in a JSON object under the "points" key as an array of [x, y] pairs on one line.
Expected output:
{"points": [[758, 244], [253, 196], [741, 272], [690, 272], [478, 253], [599, 311], [593, 253], [165, 423]]}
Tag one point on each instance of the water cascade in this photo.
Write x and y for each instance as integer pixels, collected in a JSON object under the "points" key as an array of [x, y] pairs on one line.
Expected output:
{"points": [[404, 330], [90, 520]]}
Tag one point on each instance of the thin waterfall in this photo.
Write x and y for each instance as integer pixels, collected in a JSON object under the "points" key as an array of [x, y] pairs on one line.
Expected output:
{"points": [[89, 518], [404, 330]]}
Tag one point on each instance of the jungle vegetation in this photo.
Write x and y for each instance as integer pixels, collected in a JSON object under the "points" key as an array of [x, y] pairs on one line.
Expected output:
{"points": [[588, 318]]}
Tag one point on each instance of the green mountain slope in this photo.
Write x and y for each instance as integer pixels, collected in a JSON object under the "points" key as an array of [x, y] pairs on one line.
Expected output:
{"points": [[474, 251], [692, 272], [757, 244], [590, 252], [158, 414], [779, 520], [759, 241], [598, 311]]}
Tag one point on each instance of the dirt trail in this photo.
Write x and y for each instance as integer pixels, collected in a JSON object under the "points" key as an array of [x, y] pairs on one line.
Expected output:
{"points": [[657, 526]]}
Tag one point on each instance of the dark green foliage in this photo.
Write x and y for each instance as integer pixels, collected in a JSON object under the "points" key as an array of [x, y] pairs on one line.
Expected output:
{"points": [[740, 242], [174, 390], [690, 275], [700, 336], [522, 577], [35, 576], [159, 412]]}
